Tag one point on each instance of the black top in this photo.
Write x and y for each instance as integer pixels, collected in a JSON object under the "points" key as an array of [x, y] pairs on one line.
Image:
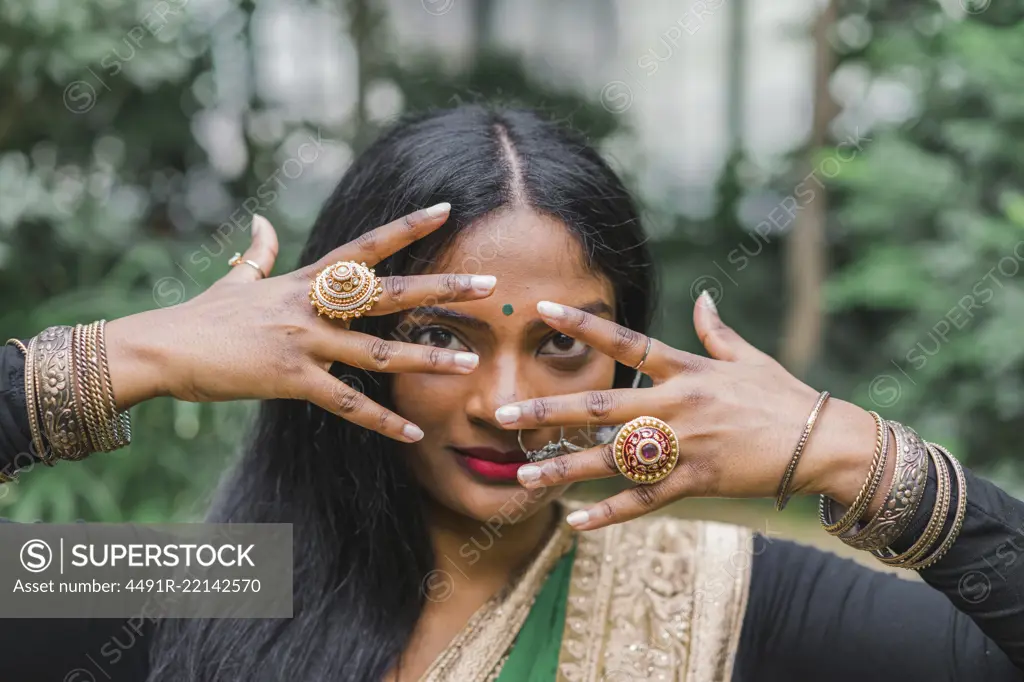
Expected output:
{"points": [[810, 614]]}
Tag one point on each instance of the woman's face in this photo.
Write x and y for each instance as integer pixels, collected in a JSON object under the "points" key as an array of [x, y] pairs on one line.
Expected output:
{"points": [[465, 461]]}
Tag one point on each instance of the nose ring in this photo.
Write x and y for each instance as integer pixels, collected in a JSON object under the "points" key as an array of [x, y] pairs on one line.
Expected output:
{"points": [[553, 449]]}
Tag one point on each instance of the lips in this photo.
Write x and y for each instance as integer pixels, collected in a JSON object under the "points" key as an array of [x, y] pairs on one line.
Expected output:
{"points": [[492, 464]]}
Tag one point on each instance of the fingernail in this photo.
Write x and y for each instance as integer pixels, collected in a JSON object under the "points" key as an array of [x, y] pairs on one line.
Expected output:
{"points": [[256, 218], [439, 209], [577, 518], [483, 283], [412, 432], [507, 414], [528, 473], [467, 360], [550, 309], [708, 301]]}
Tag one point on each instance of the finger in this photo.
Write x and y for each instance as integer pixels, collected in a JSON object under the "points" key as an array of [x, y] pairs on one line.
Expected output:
{"points": [[339, 398], [621, 343], [613, 406], [625, 506], [262, 251], [374, 246], [401, 293], [374, 354], [598, 462], [720, 340]]}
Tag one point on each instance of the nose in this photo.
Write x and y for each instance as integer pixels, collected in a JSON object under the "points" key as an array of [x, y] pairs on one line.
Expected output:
{"points": [[497, 381], [500, 380]]}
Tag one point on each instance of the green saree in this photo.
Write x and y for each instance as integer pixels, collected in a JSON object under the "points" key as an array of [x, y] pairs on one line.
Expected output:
{"points": [[534, 656]]}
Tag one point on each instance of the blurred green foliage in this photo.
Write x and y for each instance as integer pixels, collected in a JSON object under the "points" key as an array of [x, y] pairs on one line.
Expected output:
{"points": [[929, 234], [112, 201]]}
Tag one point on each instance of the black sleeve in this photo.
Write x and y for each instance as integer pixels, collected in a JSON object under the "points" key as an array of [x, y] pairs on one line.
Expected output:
{"points": [[76, 649], [814, 615], [15, 441]]}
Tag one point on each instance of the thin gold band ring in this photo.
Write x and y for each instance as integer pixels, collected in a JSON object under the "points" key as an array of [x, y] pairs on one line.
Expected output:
{"points": [[238, 260]]}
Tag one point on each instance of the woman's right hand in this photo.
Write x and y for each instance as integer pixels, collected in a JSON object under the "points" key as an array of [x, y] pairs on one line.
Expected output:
{"points": [[248, 337]]}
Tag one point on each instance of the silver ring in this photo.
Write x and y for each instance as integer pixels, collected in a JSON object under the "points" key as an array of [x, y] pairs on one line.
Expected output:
{"points": [[644, 358], [238, 260]]}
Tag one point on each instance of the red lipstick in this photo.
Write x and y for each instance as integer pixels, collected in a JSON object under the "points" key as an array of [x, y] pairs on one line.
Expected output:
{"points": [[491, 464]]}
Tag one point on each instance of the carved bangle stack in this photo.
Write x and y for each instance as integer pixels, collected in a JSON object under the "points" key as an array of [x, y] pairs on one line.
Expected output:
{"points": [[913, 459], [69, 396]]}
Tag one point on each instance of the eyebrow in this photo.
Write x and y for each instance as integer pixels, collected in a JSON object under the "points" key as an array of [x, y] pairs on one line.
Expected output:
{"points": [[594, 308]]}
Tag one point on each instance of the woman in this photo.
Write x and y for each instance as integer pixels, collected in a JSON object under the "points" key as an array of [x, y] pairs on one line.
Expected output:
{"points": [[425, 545]]}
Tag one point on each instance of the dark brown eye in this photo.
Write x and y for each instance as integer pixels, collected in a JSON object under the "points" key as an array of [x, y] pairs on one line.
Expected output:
{"points": [[437, 336], [563, 346], [563, 342]]}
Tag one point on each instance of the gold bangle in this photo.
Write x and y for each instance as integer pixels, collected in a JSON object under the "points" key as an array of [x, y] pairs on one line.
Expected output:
{"points": [[119, 422], [32, 405], [82, 402], [92, 414], [782, 496], [936, 521], [909, 479], [93, 383], [62, 424], [938, 518], [867, 492], [961, 512], [19, 344]]}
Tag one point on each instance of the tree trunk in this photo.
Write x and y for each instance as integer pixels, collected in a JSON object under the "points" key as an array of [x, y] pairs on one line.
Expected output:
{"points": [[805, 259], [736, 101], [483, 25], [364, 24]]}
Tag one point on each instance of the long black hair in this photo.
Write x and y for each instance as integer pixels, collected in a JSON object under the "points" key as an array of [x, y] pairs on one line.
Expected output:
{"points": [[361, 548]]}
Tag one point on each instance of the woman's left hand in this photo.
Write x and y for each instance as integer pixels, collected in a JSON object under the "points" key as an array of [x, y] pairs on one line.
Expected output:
{"points": [[738, 416]]}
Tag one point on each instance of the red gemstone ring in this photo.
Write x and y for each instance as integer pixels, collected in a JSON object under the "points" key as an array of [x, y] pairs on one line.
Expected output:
{"points": [[646, 450]]}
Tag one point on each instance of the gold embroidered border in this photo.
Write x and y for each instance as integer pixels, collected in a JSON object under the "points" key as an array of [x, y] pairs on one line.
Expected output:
{"points": [[586, 611], [656, 598], [725, 555]]}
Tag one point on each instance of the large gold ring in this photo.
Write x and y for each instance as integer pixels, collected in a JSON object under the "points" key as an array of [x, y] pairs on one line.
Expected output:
{"points": [[345, 290], [646, 450]]}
